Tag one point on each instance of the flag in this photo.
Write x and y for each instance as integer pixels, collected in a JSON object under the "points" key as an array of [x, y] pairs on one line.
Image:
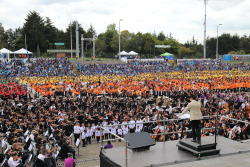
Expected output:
{"points": [[28, 54], [204, 23]]}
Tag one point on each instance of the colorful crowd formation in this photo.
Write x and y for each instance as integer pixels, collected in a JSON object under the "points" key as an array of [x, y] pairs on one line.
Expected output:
{"points": [[108, 94]]}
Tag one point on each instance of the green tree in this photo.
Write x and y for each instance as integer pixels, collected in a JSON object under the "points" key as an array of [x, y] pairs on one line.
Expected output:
{"points": [[66, 38], [91, 32], [232, 53], [110, 34], [241, 52], [112, 27], [10, 36], [148, 42], [245, 44], [161, 36], [154, 34], [50, 33], [211, 47], [34, 29], [100, 44], [2, 36], [184, 51]]}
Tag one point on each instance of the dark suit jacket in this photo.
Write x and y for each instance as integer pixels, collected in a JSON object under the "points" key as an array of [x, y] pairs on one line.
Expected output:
{"points": [[4, 128], [65, 149]]}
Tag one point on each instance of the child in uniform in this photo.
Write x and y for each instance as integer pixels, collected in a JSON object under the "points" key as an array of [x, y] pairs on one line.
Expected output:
{"points": [[83, 137], [119, 131]]}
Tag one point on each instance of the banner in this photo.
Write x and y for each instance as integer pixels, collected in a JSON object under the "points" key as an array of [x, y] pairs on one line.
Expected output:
{"points": [[3, 55], [162, 46]]}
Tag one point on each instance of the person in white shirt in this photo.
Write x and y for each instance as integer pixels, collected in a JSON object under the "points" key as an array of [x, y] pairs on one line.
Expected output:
{"points": [[93, 127], [110, 128], [138, 129], [105, 133], [41, 156], [119, 131], [77, 131], [113, 130], [146, 119], [32, 135], [170, 109], [132, 127], [13, 161], [83, 138], [124, 122], [116, 123], [125, 130], [97, 134], [236, 129], [243, 105], [88, 136], [82, 128], [159, 127], [139, 123], [154, 117]]}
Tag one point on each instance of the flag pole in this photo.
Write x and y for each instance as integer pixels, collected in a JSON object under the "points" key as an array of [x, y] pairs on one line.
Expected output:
{"points": [[205, 1]]}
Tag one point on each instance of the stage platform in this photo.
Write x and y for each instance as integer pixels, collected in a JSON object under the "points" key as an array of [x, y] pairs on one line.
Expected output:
{"points": [[205, 148], [168, 152]]}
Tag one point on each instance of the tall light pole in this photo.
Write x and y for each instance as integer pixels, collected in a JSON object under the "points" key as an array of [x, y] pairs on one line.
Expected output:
{"points": [[217, 42], [71, 41], [77, 40], [205, 24], [119, 39]]}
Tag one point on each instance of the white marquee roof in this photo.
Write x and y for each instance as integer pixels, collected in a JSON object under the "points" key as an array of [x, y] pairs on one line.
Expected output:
{"points": [[22, 51]]}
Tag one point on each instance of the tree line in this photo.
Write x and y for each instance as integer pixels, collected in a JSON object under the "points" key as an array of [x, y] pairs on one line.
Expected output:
{"points": [[41, 34]]}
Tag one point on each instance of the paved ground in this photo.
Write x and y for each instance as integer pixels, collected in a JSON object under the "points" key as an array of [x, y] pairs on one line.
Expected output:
{"points": [[90, 154], [227, 161]]}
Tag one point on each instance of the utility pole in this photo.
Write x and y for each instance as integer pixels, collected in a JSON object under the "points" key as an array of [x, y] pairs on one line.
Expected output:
{"points": [[217, 42], [205, 24], [71, 40], [120, 39], [25, 47], [82, 47], [77, 40]]}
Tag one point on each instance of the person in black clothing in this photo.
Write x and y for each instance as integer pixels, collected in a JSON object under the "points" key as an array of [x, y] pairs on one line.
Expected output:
{"points": [[66, 149], [246, 132]]}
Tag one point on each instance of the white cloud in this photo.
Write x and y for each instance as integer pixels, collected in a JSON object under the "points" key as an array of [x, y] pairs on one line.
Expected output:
{"points": [[184, 18]]}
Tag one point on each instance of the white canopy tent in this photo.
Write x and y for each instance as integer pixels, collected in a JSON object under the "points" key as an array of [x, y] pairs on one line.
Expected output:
{"points": [[123, 53], [132, 53], [5, 51], [22, 51]]}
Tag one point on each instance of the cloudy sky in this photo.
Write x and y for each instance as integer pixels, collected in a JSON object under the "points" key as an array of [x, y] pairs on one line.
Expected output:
{"points": [[184, 18]]}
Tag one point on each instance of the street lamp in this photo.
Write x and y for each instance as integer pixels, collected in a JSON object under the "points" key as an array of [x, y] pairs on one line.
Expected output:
{"points": [[119, 39], [217, 42]]}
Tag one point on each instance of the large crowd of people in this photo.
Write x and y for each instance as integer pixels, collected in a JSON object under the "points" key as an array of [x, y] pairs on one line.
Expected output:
{"points": [[75, 105]]}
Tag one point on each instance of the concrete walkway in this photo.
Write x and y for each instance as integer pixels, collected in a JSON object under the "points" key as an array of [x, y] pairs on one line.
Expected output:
{"points": [[225, 161]]}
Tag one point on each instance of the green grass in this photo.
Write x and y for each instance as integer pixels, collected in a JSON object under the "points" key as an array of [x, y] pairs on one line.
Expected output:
{"points": [[236, 62]]}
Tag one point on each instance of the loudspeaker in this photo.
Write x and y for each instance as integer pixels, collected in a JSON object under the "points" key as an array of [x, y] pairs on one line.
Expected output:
{"points": [[139, 141]]}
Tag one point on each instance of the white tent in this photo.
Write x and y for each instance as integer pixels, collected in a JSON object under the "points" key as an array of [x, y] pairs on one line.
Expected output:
{"points": [[5, 51], [132, 53], [123, 53], [22, 51]]}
